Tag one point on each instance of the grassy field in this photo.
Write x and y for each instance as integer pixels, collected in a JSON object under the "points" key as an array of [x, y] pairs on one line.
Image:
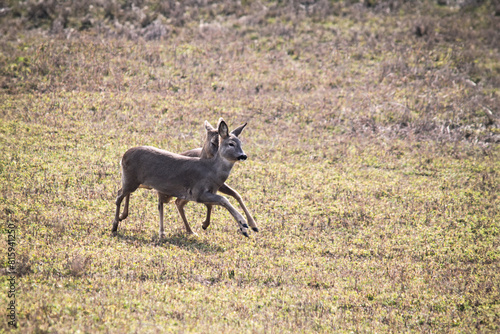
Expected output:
{"points": [[373, 172]]}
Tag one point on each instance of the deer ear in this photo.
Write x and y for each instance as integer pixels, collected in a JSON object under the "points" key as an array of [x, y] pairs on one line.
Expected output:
{"points": [[223, 129], [238, 130], [209, 126]]}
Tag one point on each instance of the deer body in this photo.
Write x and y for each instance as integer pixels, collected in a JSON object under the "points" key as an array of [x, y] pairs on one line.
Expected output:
{"points": [[185, 177], [173, 174]]}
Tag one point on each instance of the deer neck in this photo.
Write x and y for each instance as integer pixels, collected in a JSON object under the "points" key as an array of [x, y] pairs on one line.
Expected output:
{"points": [[222, 167]]}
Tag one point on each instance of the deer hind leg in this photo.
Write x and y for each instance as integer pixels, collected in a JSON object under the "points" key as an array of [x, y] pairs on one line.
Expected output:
{"points": [[127, 199], [125, 208], [162, 198], [231, 192], [118, 202], [206, 223], [122, 193], [180, 203]]}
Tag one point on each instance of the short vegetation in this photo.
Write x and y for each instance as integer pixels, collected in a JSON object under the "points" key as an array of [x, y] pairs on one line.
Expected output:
{"points": [[373, 172]]}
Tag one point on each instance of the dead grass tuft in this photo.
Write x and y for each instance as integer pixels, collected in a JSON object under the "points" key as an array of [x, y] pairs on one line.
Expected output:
{"points": [[78, 265]]}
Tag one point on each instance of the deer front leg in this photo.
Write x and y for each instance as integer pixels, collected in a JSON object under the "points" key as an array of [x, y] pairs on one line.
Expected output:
{"points": [[162, 198], [160, 211], [180, 203], [214, 199], [233, 193]]}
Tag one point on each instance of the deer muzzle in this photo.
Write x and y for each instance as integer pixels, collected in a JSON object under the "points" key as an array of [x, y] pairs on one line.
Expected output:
{"points": [[242, 157]]}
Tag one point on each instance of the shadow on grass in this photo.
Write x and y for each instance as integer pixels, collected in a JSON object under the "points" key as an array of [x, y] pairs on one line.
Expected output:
{"points": [[181, 240], [135, 239], [191, 243]]}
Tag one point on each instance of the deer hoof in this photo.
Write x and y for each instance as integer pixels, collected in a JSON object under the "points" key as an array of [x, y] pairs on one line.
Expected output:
{"points": [[244, 225], [255, 229], [245, 234], [205, 225]]}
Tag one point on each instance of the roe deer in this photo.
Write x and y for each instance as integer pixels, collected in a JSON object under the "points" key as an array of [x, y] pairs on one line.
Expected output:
{"points": [[208, 151], [184, 177]]}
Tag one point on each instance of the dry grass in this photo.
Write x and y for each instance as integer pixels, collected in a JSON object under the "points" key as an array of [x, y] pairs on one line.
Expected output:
{"points": [[373, 165]]}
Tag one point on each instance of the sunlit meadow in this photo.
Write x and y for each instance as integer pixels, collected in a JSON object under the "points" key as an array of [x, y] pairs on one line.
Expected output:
{"points": [[373, 170]]}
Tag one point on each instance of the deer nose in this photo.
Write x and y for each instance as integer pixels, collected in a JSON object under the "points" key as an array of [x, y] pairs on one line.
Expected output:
{"points": [[242, 157]]}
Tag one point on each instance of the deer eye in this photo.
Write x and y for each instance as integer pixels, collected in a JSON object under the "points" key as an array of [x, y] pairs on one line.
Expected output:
{"points": [[231, 144]]}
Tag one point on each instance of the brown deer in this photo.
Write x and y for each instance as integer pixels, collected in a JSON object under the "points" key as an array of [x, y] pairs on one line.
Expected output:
{"points": [[185, 177], [209, 149]]}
